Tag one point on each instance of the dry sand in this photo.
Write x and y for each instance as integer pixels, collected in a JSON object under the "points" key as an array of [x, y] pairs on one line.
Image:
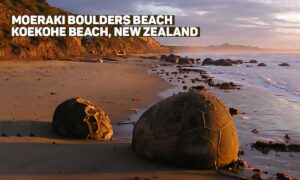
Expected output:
{"points": [[30, 91]]}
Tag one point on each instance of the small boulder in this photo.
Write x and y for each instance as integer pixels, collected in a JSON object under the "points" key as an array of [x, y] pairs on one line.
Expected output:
{"points": [[253, 61], [284, 64], [233, 111], [261, 64], [80, 119]]}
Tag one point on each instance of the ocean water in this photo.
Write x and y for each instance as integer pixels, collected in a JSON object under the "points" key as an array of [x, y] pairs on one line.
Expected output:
{"points": [[281, 81]]}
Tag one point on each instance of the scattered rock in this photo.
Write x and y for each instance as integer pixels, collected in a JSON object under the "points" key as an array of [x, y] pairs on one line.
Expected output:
{"points": [[198, 88], [261, 64], [257, 176], [255, 131], [226, 85], [184, 87], [233, 111], [31, 135], [163, 57], [241, 153], [19, 134], [278, 146], [3, 135], [287, 137], [52, 93], [81, 119], [284, 64], [283, 176], [253, 61]]}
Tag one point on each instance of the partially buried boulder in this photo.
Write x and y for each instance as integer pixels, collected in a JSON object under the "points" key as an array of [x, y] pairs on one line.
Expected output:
{"points": [[191, 130], [81, 119]]}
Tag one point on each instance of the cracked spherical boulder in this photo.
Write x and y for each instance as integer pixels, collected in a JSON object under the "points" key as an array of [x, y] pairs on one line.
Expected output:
{"points": [[191, 130], [80, 119]]}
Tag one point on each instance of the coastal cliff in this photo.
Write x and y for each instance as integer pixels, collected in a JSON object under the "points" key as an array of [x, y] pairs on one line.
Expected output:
{"points": [[62, 47]]}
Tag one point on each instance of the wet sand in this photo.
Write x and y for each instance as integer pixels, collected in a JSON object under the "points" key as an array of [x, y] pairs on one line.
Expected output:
{"points": [[30, 91]]}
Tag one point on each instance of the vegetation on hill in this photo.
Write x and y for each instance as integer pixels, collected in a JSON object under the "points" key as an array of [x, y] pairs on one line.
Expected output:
{"points": [[61, 47]]}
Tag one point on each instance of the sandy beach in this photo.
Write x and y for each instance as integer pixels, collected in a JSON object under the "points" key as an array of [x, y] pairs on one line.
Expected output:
{"points": [[32, 89]]}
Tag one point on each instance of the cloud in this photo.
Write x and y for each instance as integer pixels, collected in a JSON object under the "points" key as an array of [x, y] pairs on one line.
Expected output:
{"points": [[252, 22], [158, 8]]}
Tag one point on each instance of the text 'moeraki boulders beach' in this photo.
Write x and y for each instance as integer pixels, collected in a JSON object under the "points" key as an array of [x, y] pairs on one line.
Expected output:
{"points": [[191, 130], [80, 119]]}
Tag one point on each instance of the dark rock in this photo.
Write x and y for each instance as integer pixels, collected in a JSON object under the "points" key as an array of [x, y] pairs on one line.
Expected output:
{"points": [[233, 111], [241, 153], [278, 146], [261, 64], [255, 131], [198, 88], [283, 176], [184, 87], [294, 147], [257, 176], [81, 119], [173, 59], [207, 61], [253, 61], [226, 85], [222, 62], [283, 64], [163, 57], [287, 137]]}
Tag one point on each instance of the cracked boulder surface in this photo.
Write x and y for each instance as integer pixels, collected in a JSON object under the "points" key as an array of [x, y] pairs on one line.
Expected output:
{"points": [[191, 130], [78, 118]]}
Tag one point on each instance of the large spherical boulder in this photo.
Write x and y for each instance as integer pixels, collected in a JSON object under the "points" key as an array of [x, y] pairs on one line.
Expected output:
{"points": [[190, 130], [81, 119]]}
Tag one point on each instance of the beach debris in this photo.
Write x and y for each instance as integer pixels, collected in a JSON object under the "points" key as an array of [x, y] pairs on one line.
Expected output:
{"points": [[261, 64], [284, 64], [81, 119], [233, 111], [190, 129], [255, 131]]}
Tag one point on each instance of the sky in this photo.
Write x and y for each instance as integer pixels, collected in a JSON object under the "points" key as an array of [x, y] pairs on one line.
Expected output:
{"points": [[263, 23]]}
